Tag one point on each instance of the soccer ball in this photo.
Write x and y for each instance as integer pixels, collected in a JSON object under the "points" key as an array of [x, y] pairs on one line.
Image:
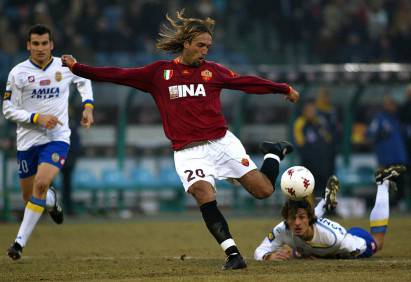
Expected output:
{"points": [[297, 182]]}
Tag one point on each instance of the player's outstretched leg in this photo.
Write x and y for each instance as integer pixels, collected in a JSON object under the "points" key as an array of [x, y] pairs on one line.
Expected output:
{"points": [[390, 173], [385, 178], [32, 214], [218, 227], [273, 154], [204, 194], [330, 196], [329, 202], [54, 208], [280, 149]]}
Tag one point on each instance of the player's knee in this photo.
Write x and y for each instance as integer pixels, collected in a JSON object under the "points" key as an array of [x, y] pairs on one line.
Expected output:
{"points": [[41, 185], [202, 191]]}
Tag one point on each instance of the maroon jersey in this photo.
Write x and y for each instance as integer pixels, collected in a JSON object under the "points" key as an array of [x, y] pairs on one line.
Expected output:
{"points": [[188, 98]]}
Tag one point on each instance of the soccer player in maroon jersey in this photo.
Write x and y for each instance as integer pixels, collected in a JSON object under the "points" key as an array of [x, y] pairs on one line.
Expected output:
{"points": [[187, 93]]}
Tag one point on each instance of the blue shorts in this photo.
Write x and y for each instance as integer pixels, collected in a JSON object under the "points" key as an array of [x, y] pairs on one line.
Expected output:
{"points": [[54, 153], [371, 244]]}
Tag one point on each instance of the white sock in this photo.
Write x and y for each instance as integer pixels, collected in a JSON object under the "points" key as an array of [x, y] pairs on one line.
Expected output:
{"points": [[227, 243], [50, 199], [32, 214], [381, 210], [320, 209], [272, 156]]}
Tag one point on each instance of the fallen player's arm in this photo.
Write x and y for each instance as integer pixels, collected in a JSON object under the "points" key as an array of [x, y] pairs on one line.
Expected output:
{"points": [[285, 253]]}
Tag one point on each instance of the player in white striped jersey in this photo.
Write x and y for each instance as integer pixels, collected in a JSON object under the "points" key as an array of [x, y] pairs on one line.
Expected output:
{"points": [[304, 233], [36, 98]]}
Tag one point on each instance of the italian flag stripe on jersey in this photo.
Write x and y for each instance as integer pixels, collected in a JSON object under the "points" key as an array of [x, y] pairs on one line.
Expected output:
{"points": [[167, 74]]}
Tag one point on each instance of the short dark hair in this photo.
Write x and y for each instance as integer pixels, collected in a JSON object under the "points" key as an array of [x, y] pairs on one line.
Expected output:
{"points": [[39, 29], [290, 209]]}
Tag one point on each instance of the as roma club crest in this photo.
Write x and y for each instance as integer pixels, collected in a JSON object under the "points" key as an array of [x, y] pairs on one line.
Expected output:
{"points": [[206, 75], [168, 74], [245, 162], [58, 76]]}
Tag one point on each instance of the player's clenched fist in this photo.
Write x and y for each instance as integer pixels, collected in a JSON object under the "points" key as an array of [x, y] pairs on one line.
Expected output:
{"points": [[284, 253], [48, 121], [87, 119], [293, 96], [68, 61]]}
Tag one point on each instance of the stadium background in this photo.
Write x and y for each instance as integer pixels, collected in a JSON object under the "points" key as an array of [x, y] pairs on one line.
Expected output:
{"points": [[358, 49]]}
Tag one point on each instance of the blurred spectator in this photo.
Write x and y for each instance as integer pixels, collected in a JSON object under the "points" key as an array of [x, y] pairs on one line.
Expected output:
{"points": [[382, 51], [405, 117], [326, 45], [377, 19], [314, 145], [327, 116], [7, 136], [386, 133], [353, 50], [70, 163], [401, 31], [281, 31], [41, 14]]}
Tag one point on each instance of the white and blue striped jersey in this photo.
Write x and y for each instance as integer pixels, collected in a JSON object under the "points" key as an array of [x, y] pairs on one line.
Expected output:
{"points": [[330, 240], [31, 89]]}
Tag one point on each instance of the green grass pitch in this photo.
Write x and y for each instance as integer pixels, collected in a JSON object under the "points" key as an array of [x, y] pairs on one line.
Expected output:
{"points": [[173, 249]]}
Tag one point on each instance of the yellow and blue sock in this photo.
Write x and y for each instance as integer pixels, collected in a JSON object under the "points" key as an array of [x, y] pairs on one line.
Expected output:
{"points": [[32, 214], [381, 210]]}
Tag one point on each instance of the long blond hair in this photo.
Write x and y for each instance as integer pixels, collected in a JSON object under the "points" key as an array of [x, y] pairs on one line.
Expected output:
{"points": [[180, 30]]}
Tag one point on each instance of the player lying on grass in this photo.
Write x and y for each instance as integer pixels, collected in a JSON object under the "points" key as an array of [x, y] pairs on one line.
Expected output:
{"points": [[304, 233]]}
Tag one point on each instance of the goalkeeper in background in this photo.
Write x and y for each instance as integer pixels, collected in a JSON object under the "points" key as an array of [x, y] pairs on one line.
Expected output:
{"points": [[304, 233]]}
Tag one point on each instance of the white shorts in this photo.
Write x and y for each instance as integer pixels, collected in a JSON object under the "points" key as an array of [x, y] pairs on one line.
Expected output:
{"points": [[218, 159]]}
